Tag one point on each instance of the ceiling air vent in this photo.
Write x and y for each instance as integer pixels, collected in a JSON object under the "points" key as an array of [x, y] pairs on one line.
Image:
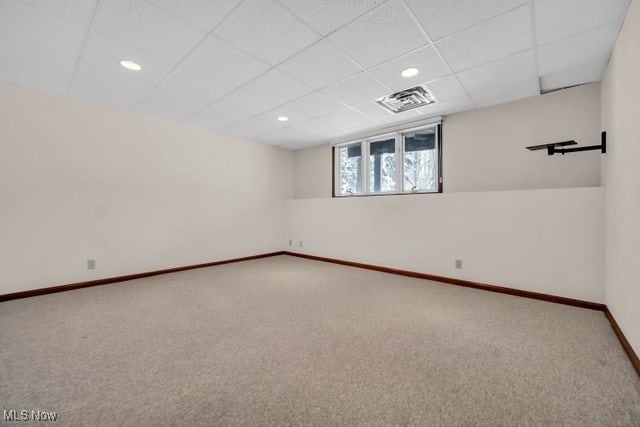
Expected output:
{"points": [[407, 99]]}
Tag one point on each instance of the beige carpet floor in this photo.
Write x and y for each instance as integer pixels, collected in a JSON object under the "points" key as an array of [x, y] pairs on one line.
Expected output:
{"points": [[288, 341]]}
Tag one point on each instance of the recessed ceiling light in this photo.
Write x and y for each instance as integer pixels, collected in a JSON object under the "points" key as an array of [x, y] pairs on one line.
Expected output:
{"points": [[130, 65], [283, 118], [410, 72]]}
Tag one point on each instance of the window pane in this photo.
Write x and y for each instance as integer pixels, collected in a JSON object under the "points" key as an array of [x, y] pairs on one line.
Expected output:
{"points": [[350, 158], [420, 161], [382, 165]]}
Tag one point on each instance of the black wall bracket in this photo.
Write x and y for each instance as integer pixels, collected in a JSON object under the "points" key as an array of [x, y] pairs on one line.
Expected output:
{"points": [[553, 148]]}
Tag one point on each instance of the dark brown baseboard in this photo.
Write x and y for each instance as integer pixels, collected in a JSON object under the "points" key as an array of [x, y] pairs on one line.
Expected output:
{"points": [[633, 357], [106, 281], [442, 279], [460, 282]]}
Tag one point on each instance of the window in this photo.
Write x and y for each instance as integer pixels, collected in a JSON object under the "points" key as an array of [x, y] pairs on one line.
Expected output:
{"points": [[382, 165], [420, 161], [399, 163], [350, 169]]}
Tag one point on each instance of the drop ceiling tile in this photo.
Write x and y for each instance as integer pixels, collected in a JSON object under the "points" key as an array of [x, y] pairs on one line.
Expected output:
{"points": [[235, 107], [586, 73], [294, 117], [147, 26], [319, 128], [302, 135], [348, 118], [101, 79], [251, 103], [266, 123], [237, 67], [586, 47], [451, 106], [320, 65], [39, 30], [384, 33], [446, 88], [357, 89], [426, 60], [558, 19], [205, 14], [362, 128], [217, 116], [524, 89], [316, 104], [277, 140], [278, 87], [182, 93], [305, 134], [505, 71], [327, 16], [491, 40], [441, 18], [373, 110], [289, 138], [76, 11], [396, 118], [267, 30], [35, 68]]}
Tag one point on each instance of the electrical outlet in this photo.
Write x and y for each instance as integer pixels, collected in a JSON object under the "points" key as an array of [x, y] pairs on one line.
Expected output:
{"points": [[459, 264], [290, 242], [91, 264], [300, 243]]}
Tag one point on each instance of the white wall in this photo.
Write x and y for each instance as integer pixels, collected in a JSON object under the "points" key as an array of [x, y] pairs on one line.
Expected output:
{"points": [[78, 181], [548, 241], [621, 120], [312, 172], [484, 149]]}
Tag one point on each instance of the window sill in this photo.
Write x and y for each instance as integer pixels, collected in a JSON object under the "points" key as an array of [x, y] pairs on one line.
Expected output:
{"points": [[347, 196]]}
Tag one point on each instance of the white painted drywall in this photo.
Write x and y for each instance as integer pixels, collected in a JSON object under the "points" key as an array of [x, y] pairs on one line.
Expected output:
{"points": [[548, 241], [484, 149], [312, 172], [79, 181], [621, 177]]}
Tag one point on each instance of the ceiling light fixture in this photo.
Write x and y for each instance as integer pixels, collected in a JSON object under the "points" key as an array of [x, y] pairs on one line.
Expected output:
{"points": [[130, 65], [283, 118], [410, 72]]}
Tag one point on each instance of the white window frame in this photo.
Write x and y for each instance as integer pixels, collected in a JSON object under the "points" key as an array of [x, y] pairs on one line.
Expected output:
{"points": [[337, 178], [364, 149], [367, 142]]}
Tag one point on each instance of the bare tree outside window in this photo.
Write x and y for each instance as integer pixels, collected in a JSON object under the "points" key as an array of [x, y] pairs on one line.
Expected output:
{"points": [[420, 161], [350, 169]]}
